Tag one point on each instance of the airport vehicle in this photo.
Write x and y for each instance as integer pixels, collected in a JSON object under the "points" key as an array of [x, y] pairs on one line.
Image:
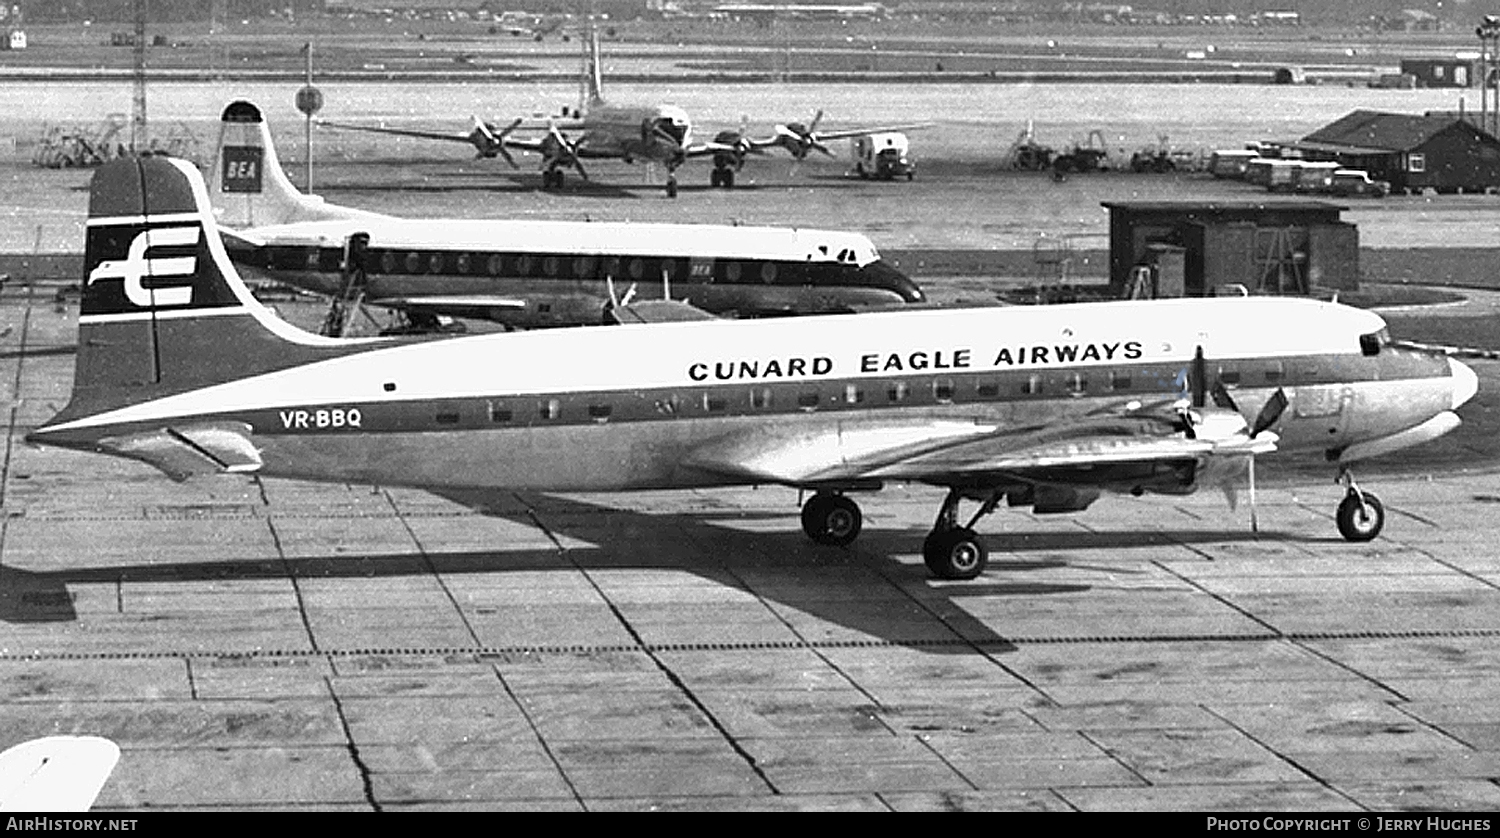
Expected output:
{"points": [[1358, 182], [660, 133], [55, 773], [1230, 163], [526, 273], [1313, 176], [883, 156], [1047, 407]]}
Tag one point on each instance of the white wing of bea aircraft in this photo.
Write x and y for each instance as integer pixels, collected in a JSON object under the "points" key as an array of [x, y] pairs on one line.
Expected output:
{"points": [[528, 273], [55, 773], [660, 133], [1046, 407]]}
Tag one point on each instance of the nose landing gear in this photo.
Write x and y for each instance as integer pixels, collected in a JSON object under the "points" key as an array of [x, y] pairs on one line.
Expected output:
{"points": [[1360, 514]]}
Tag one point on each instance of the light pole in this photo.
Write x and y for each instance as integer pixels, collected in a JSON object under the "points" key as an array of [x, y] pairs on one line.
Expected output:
{"points": [[1489, 45]]}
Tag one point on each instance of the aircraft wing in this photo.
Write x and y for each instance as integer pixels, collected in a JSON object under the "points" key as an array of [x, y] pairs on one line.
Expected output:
{"points": [[400, 132], [55, 773], [845, 133], [981, 452]]}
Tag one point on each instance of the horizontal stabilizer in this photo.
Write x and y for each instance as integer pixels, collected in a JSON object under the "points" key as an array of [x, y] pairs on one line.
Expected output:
{"points": [[189, 451], [452, 303], [55, 773], [658, 311]]}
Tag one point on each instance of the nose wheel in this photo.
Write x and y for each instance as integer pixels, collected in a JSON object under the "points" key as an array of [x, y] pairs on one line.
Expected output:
{"points": [[1360, 514], [831, 519]]}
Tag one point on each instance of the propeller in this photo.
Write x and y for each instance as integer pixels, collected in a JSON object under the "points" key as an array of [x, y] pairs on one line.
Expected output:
{"points": [[562, 152], [800, 139], [491, 144]]}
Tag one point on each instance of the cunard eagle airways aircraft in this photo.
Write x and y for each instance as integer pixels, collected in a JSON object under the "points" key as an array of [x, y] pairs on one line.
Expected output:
{"points": [[1046, 407], [660, 133], [527, 273]]}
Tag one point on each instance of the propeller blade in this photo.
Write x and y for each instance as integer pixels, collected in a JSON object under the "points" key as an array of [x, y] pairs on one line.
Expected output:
{"points": [[1269, 414], [1199, 378], [500, 143]]}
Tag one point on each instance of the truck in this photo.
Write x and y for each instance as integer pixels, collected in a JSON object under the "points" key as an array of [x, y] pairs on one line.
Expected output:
{"points": [[1314, 176], [882, 156]]}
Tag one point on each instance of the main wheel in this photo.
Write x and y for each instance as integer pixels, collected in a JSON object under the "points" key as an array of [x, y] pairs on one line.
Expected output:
{"points": [[727, 181], [955, 554], [831, 519], [1357, 524], [671, 187], [716, 177]]}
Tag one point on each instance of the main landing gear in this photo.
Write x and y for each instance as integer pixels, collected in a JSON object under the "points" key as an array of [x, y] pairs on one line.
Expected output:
{"points": [[1360, 516], [722, 176], [552, 179], [951, 551], [671, 185]]}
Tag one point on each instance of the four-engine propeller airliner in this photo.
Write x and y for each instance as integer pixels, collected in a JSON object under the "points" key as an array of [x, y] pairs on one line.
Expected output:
{"points": [[660, 133], [527, 273], [178, 366]]}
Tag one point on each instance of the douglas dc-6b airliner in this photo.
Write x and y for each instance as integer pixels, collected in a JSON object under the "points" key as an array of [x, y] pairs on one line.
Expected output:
{"points": [[527, 273], [1046, 407]]}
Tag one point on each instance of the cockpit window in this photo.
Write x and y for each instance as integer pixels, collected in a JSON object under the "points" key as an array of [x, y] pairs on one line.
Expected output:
{"points": [[1370, 344]]}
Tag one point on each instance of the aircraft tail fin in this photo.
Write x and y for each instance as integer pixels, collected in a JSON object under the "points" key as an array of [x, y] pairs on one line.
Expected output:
{"points": [[593, 72], [246, 181], [163, 309]]}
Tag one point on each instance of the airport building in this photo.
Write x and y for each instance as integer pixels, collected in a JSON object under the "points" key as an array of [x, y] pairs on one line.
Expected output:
{"points": [[1197, 249], [1441, 151]]}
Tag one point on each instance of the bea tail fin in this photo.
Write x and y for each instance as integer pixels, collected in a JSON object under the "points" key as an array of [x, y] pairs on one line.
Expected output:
{"points": [[592, 82], [163, 309], [247, 184]]}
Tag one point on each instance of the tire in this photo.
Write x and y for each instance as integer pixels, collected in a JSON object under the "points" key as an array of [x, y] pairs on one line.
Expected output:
{"points": [[831, 520], [727, 181], [716, 177], [672, 187], [955, 554], [1353, 525]]}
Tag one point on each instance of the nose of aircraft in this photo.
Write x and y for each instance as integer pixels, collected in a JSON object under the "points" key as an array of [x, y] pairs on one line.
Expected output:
{"points": [[1465, 382]]}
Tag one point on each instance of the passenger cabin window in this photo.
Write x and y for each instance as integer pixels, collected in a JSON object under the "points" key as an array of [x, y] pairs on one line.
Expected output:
{"points": [[551, 409], [1229, 377], [447, 418], [1078, 384], [1275, 373], [1032, 386], [808, 401], [942, 390], [988, 389], [760, 398], [494, 265], [500, 413], [896, 391], [714, 404], [853, 394], [435, 263], [669, 406], [1119, 381], [600, 412]]}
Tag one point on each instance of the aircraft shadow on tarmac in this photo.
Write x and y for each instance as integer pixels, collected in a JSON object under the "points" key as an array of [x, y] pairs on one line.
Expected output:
{"points": [[781, 566]]}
